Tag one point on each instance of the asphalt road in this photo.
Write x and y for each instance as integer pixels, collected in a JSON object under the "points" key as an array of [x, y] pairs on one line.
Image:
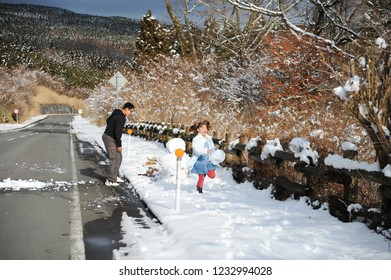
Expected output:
{"points": [[75, 216]]}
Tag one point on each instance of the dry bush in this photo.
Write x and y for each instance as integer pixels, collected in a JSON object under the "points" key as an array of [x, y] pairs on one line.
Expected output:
{"points": [[43, 95]]}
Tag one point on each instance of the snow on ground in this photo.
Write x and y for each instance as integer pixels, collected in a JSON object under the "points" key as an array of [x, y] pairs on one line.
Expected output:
{"points": [[7, 126], [229, 221]]}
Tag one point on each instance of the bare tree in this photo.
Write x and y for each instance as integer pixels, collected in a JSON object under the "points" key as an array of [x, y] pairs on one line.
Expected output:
{"points": [[183, 28], [231, 32], [216, 26], [370, 98]]}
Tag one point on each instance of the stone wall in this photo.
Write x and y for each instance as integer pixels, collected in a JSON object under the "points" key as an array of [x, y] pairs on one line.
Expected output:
{"points": [[56, 109]]}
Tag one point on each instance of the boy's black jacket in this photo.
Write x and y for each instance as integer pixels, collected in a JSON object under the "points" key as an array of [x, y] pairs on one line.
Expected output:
{"points": [[115, 124]]}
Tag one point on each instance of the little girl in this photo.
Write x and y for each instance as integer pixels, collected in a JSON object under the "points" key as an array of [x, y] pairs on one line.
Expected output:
{"points": [[202, 146]]}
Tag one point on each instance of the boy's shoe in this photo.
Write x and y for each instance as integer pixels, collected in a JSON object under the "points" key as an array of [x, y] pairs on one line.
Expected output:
{"points": [[199, 189], [111, 184], [120, 180]]}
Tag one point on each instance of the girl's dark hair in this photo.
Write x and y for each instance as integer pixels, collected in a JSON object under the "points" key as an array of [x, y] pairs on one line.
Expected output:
{"points": [[194, 127]]}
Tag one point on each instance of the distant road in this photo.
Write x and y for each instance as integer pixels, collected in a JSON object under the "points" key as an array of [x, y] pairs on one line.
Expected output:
{"points": [[40, 152]]}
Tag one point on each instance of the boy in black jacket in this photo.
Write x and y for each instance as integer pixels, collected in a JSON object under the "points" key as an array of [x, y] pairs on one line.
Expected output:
{"points": [[112, 140]]}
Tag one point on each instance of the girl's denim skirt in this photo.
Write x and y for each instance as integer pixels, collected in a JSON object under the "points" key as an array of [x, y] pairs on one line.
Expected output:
{"points": [[203, 165]]}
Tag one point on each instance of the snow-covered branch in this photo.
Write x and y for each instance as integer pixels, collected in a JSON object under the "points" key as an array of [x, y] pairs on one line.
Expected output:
{"points": [[249, 6]]}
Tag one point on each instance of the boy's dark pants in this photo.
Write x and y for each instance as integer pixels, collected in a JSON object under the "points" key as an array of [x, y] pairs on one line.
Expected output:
{"points": [[115, 158]]}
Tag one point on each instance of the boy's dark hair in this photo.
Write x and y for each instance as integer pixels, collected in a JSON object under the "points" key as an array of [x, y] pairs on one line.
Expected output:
{"points": [[128, 105]]}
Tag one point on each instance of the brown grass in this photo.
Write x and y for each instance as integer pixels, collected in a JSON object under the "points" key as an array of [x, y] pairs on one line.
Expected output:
{"points": [[44, 95]]}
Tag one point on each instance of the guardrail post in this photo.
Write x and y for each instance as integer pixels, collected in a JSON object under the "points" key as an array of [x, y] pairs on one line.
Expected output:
{"points": [[350, 191], [385, 193]]}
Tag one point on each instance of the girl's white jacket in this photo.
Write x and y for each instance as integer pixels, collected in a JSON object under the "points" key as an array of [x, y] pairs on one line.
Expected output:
{"points": [[200, 146]]}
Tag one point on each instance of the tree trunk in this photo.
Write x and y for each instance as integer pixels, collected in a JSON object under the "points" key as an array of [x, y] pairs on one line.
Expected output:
{"points": [[176, 24], [379, 140]]}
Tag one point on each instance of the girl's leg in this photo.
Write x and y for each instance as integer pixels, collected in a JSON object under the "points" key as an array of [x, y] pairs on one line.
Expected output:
{"points": [[200, 182]]}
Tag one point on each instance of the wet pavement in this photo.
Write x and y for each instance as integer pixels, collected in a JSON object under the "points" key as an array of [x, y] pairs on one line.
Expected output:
{"points": [[102, 207]]}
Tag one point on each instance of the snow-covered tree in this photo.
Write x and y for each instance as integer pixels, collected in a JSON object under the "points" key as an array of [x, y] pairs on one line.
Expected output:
{"points": [[15, 90], [163, 91]]}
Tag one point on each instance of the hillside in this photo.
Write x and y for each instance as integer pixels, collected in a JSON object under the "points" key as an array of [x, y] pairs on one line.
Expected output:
{"points": [[82, 49]]}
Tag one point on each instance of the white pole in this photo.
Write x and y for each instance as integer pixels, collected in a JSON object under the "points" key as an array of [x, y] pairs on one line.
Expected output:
{"points": [[178, 185], [127, 154], [80, 111]]}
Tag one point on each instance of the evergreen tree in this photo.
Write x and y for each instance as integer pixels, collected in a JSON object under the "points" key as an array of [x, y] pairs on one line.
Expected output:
{"points": [[153, 38]]}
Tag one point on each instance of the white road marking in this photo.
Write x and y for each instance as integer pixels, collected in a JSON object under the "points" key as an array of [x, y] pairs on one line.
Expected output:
{"points": [[76, 235]]}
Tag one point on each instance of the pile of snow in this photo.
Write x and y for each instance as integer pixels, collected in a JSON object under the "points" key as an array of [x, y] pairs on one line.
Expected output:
{"points": [[387, 170], [253, 142], [232, 145], [338, 161], [174, 144], [22, 184], [381, 43], [270, 148], [351, 85], [301, 148], [348, 146]]}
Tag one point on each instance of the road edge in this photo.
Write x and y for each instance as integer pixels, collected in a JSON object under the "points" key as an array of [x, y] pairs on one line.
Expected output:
{"points": [[77, 250]]}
